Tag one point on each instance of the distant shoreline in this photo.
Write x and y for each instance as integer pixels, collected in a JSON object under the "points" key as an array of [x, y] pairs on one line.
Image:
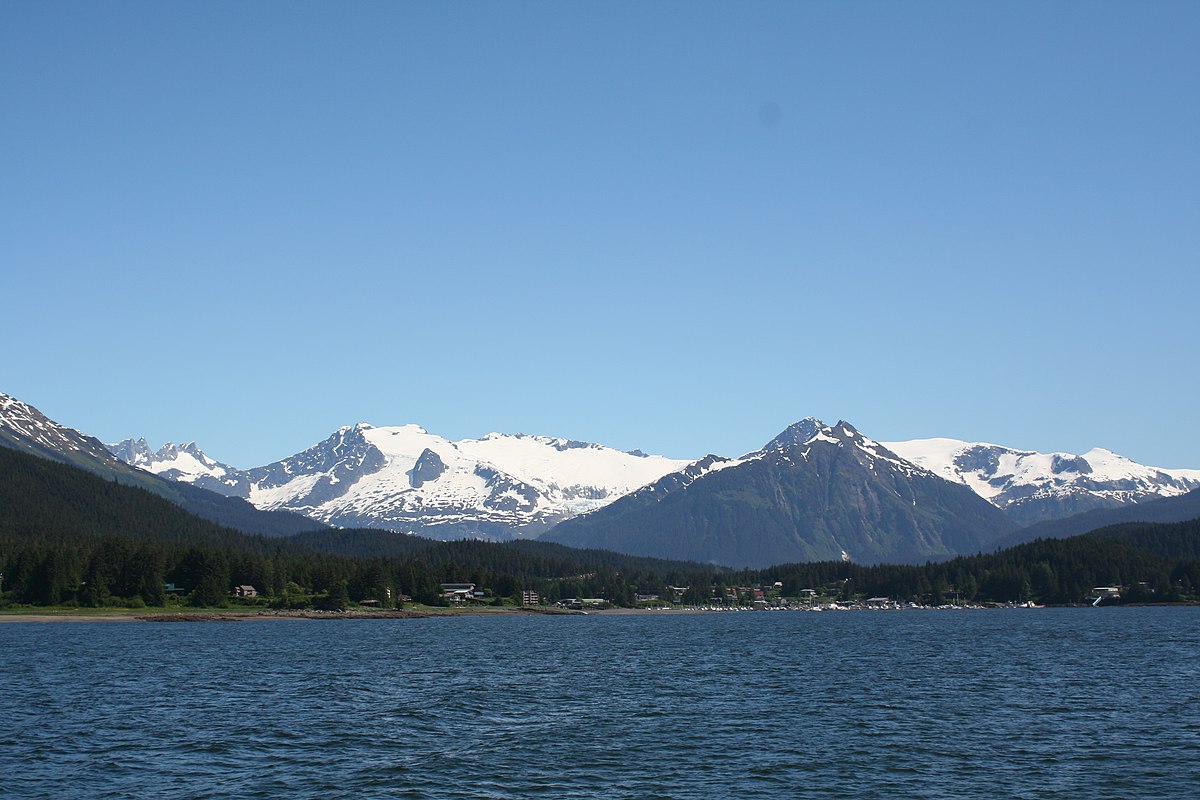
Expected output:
{"points": [[238, 615]]}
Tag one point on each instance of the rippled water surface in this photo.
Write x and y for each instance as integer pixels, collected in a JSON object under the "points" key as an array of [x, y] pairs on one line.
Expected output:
{"points": [[1070, 703]]}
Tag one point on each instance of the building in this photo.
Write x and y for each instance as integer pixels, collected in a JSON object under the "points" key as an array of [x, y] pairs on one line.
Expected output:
{"points": [[458, 592], [529, 598], [245, 590]]}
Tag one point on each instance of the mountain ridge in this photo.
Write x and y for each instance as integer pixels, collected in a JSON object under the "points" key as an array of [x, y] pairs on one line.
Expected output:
{"points": [[453, 490], [405, 478], [1033, 487], [815, 492]]}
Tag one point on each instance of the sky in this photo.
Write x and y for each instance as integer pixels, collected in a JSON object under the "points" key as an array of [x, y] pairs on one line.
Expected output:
{"points": [[677, 227]]}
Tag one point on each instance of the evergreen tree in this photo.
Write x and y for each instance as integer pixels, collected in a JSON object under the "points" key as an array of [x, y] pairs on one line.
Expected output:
{"points": [[206, 574], [338, 598]]}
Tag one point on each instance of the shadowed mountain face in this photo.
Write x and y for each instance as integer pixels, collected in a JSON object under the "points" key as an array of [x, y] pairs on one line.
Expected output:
{"points": [[24, 428], [814, 493]]}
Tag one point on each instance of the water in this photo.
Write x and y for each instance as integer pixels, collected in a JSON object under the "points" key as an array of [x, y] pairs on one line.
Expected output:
{"points": [[1070, 703]]}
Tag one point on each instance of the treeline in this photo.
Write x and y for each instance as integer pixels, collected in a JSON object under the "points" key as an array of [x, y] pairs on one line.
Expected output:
{"points": [[1154, 562], [516, 557], [116, 570], [108, 570], [121, 571]]}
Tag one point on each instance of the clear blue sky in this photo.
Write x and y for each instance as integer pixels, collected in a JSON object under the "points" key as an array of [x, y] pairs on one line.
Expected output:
{"points": [[670, 226]]}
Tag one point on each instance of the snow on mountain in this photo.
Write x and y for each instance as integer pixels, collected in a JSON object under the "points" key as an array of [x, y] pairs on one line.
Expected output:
{"points": [[23, 427], [795, 440], [814, 492], [810, 430], [407, 479], [185, 462], [1031, 486]]}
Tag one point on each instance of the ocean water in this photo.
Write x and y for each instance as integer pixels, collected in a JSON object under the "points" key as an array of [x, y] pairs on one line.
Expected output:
{"points": [[1048, 703]]}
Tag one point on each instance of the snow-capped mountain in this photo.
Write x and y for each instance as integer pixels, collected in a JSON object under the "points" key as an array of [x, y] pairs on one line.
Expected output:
{"points": [[407, 479], [815, 492], [1031, 487], [23, 427], [183, 462]]}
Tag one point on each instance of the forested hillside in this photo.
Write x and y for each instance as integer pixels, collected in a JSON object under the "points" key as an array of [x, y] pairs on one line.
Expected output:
{"points": [[1164, 510]]}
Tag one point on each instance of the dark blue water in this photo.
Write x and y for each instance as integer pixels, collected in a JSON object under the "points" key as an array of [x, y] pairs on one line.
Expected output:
{"points": [[1070, 703]]}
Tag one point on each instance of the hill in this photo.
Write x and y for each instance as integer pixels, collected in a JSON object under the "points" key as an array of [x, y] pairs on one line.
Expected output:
{"points": [[1180, 540], [53, 502]]}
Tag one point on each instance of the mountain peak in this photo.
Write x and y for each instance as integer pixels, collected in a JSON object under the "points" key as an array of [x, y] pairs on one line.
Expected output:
{"points": [[179, 462], [132, 451], [796, 434], [814, 492], [811, 429]]}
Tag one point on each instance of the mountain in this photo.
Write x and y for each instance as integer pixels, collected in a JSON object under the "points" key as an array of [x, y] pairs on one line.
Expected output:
{"points": [[815, 492], [1163, 510], [25, 428], [407, 479], [1031, 487], [185, 462]]}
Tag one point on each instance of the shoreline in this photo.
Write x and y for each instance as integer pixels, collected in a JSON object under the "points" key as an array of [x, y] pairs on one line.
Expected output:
{"points": [[239, 615]]}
